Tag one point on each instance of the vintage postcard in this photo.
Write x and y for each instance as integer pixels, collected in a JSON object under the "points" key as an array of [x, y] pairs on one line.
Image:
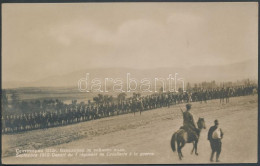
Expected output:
{"points": [[129, 83]]}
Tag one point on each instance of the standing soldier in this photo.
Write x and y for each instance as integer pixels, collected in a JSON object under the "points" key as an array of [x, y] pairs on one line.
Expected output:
{"points": [[88, 113], [14, 123], [24, 121], [140, 103], [3, 124], [221, 92], [215, 135]]}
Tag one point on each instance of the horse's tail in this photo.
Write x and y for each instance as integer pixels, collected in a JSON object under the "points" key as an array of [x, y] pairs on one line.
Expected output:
{"points": [[173, 142]]}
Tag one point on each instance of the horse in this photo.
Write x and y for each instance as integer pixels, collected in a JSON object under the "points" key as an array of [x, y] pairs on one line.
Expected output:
{"points": [[181, 137]]}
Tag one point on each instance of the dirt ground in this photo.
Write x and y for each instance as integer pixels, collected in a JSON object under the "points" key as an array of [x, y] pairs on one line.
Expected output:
{"points": [[146, 137]]}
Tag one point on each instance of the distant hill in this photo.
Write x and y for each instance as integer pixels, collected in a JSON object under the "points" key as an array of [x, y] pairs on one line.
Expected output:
{"points": [[232, 72]]}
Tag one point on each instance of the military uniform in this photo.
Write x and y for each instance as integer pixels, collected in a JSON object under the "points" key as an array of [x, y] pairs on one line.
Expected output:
{"points": [[188, 120], [189, 124], [215, 143]]}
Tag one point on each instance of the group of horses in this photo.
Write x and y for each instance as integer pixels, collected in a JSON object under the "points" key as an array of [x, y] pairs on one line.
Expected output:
{"points": [[81, 113]]}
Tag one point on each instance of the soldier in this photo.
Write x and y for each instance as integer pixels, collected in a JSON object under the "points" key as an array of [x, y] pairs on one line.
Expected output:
{"points": [[222, 95], [100, 110], [59, 117], [215, 135], [55, 118], [3, 124], [37, 120], [14, 123], [66, 116], [81, 112], [189, 124], [91, 111], [18, 122], [88, 115], [140, 106], [44, 119], [24, 122], [70, 116], [29, 120]]}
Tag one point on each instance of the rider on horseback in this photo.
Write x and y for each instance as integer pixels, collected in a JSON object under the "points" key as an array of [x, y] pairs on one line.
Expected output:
{"points": [[189, 124]]}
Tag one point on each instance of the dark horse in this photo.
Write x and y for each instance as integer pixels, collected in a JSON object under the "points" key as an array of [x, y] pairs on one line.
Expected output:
{"points": [[181, 137]]}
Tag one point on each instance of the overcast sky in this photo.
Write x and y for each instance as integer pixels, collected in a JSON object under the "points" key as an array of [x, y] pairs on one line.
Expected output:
{"points": [[39, 40]]}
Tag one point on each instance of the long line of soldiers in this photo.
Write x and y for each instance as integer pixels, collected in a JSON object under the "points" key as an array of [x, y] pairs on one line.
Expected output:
{"points": [[75, 114]]}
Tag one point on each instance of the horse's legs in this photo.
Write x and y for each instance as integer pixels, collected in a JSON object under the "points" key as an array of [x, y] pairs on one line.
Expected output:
{"points": [[195, 146], [179, 150], [182, 145]]}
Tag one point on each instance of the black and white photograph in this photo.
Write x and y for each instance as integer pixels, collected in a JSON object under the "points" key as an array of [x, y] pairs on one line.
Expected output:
{"points": [[129, 83]]}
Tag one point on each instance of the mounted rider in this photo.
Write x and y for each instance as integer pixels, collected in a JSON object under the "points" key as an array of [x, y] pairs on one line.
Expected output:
{"points": [[189, 124]]}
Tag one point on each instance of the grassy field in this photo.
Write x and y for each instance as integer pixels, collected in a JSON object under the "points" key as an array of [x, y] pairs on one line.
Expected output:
{"points": [[149, 133]]}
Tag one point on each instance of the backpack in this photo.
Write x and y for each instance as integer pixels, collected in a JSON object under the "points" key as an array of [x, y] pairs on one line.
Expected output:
{"points": [[216, 134]]}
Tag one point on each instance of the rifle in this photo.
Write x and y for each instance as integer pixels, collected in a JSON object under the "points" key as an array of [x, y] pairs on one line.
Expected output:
{"points": [[180, 108]]}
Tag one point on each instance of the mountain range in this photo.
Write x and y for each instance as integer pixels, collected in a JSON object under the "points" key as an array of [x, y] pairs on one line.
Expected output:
{"points": [[221, 73]]}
